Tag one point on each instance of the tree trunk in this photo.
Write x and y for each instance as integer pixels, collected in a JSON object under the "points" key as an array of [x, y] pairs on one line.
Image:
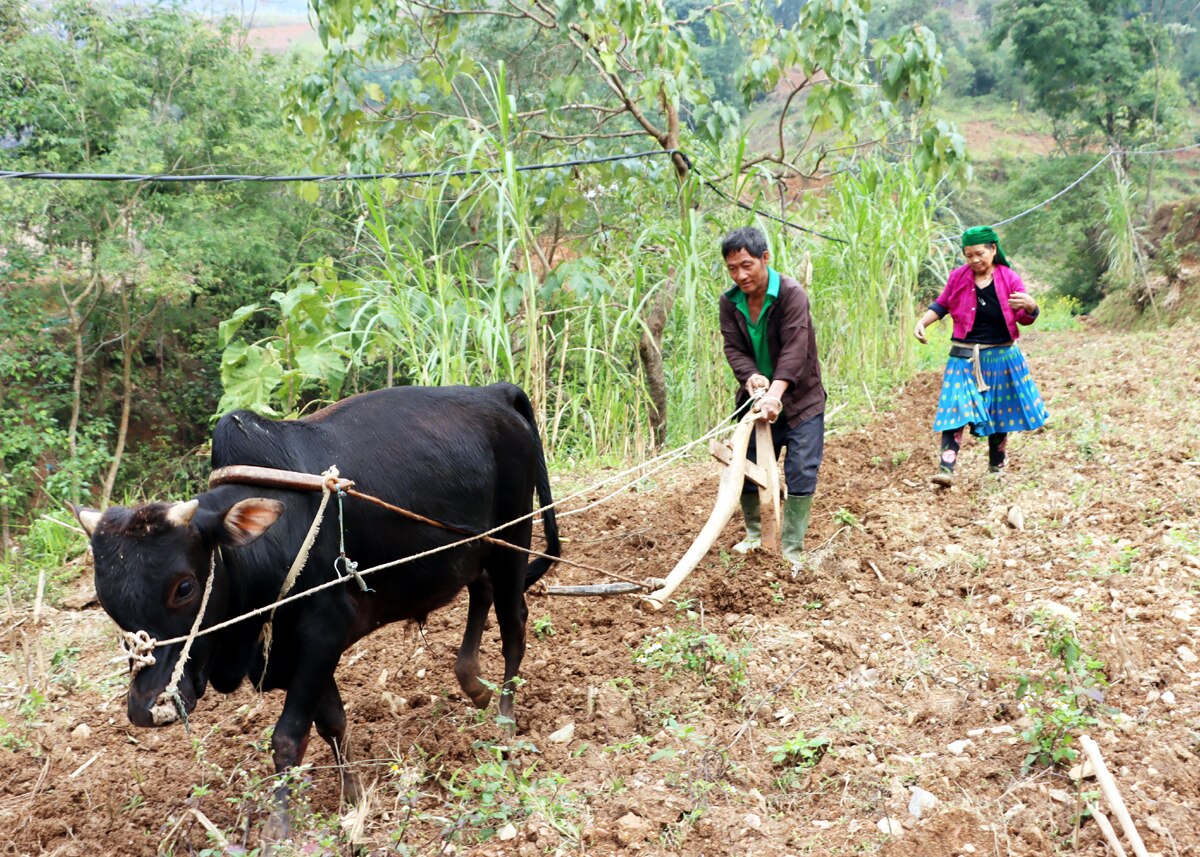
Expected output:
{"points": [[76, 321], [127, 343], [655, 320], [650, 351], [131, 336]]}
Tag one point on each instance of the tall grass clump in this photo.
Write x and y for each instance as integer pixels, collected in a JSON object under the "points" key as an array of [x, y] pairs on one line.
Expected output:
{"points": [[555, 280], [865, 292]]}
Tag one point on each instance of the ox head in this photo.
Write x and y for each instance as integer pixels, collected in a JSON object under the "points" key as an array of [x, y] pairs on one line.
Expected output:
{"points": [[152, 565]]}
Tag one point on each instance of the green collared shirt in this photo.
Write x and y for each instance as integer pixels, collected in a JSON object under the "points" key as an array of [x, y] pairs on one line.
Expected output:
{"points": [[758, 329]]}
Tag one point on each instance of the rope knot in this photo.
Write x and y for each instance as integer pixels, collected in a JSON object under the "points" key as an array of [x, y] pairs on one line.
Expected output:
{"points": [[139, 646]]}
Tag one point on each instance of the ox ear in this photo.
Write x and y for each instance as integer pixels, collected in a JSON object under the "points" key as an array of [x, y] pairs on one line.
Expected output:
{"points": [[87, 518], [249, 519]]}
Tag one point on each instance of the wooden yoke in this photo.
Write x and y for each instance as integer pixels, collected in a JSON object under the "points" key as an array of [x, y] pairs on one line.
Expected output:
{"points": [[737, 469]]}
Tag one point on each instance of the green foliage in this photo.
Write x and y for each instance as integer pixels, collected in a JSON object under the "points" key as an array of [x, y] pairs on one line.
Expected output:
{"points": [[499, 790], [1057, 312], [1087, 62], [799, 751], [1063, 699], [126, 276]]}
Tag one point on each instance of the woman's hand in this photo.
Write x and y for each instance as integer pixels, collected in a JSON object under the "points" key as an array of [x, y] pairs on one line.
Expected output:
{"points": [[1021, 301], [919, 333]]}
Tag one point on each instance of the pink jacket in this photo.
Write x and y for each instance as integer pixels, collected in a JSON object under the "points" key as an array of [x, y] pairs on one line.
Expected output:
{"points": [[958, 299]]}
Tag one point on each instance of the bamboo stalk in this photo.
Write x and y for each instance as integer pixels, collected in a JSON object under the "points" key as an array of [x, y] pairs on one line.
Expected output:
{"points": [[1113, 795], [1106, 829]]}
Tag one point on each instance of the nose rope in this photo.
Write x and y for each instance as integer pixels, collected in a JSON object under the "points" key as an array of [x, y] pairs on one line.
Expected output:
{"points": [[139, 647], [169, 706]]}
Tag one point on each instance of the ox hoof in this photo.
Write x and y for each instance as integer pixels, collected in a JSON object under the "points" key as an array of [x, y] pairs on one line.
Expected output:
{"points": [[278, 829], [482, 699], [352, 789]]}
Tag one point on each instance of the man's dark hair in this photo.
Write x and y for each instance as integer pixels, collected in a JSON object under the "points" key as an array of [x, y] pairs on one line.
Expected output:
{"points": [[748, 238]]}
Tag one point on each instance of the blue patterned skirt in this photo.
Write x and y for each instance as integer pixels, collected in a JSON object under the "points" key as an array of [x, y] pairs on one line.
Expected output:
{"points": [[1012, 402]]}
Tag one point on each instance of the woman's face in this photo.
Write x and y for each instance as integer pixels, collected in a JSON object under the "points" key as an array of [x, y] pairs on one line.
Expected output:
{"points": [[980, 257]]}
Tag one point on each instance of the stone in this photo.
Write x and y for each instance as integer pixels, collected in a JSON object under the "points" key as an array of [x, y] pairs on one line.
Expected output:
{"points": [[959, 747], [1082, 771], [563, 735], [81, 733], [506, 833], [921, 802], [889, 826], [632, 828]]}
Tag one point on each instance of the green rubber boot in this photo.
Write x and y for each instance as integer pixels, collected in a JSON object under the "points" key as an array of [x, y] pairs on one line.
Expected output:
{"points": [[753, 516], [796, 512]]}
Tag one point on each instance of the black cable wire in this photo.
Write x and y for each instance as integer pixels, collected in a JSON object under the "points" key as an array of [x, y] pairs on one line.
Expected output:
{"points": [[343, 177], [785, 222]]}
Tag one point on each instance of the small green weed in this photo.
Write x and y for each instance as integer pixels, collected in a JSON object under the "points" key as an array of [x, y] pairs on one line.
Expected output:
{"points": [[695, 651], [847, 518], [543, 627], [799, 751]]}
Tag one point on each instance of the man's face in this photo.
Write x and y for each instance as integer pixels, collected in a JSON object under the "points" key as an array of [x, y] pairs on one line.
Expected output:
{"points": [[748, 272]]}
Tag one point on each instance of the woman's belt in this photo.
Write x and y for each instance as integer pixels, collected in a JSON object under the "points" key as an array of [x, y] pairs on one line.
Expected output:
{"points": [[970, 351]]}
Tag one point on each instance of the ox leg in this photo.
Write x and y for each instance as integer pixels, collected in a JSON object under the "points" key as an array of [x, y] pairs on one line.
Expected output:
{"points": [[511, 612], [331, 726], [466, 668], [290, 742]]}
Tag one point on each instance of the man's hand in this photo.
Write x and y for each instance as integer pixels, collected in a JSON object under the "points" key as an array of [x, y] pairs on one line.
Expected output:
{"points": [[770, 407], [1022, 301], [757, 383], [919, 333]]}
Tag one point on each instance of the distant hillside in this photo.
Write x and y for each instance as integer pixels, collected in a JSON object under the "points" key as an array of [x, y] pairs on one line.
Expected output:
{"points": [[248, 11]]}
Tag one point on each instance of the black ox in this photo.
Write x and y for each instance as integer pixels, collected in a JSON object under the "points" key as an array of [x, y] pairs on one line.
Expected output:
{"points": [[467, 457]]}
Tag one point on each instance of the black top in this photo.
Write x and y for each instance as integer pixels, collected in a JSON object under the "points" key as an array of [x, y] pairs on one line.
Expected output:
{"points": [[990, 328]]}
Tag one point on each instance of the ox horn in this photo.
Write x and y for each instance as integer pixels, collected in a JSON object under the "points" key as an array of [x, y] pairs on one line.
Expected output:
{"points": [[88, 518], [181, 514]]}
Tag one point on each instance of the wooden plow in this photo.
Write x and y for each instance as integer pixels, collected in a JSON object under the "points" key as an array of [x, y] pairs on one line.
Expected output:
{"points": [[732, 454]]}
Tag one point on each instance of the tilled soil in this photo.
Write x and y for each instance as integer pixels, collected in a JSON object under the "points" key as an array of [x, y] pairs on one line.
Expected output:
{"points": [[765, 712]]}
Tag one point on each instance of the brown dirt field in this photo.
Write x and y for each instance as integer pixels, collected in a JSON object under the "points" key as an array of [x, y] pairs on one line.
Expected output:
{"points": [[907, 633]]}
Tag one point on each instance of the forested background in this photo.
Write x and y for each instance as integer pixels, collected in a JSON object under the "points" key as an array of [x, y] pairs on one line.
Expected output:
{"points": [[135, 313]]}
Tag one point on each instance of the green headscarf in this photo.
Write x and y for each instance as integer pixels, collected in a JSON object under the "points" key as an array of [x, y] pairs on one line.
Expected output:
{"points": [[985, 235]]}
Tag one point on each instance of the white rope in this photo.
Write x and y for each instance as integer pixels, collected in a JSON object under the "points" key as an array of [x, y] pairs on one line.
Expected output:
{"points": [[1046, 202], [1092, 169], [266, 635], [1162, 151]]}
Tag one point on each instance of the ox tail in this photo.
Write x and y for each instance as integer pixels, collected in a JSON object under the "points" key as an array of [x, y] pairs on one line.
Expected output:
{"points": [[540, 565]]}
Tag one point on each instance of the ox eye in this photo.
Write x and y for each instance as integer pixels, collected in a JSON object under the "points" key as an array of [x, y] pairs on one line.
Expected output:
{"points": [[184, 590]]}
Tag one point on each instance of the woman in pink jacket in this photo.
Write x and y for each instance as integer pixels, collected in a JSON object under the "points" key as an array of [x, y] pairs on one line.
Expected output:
{"points": [[986, 384]]}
